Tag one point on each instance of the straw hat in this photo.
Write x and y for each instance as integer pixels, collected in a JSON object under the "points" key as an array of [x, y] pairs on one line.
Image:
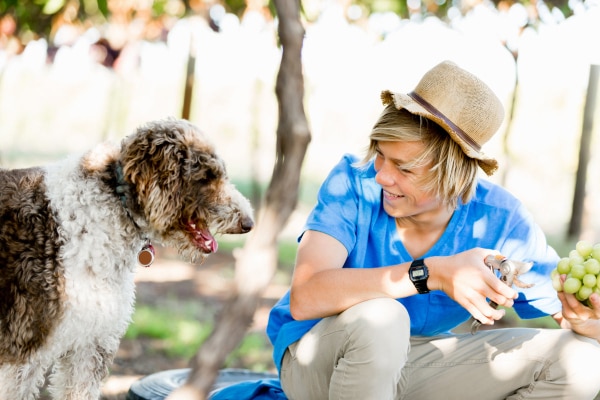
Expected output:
{"points": [[460, 103]]}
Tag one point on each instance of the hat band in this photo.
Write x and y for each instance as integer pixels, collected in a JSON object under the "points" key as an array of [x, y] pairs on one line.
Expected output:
{"points": [[435, 112]]}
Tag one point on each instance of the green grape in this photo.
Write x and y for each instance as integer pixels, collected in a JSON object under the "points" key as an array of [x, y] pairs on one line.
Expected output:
{"points": [[577, 271], [556, 283], [582, 268], [584, 248], [584, 293], [592, 266], [563, 266], [596, 251], [572, 285], [575, 258], [589, 280]]}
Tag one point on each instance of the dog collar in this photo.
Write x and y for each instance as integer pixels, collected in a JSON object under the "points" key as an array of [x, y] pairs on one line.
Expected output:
{"points": [[121, 187], [147, 253]]}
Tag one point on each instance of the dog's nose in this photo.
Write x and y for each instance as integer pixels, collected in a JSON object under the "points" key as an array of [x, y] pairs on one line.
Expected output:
{"points": [[246, 224]]}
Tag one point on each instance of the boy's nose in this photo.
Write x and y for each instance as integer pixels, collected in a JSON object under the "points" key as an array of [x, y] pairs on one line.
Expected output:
{"points": [[383, 176]]}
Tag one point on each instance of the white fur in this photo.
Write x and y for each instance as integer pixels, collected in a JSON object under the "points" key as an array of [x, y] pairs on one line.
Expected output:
{"points": [[99, 239], [99, 284]]}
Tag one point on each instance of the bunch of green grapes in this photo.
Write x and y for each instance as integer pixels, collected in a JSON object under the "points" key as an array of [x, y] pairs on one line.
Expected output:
{"points": [[582, 268]]}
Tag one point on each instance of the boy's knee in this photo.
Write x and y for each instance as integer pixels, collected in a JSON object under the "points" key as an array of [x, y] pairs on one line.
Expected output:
{"points": [[383, 325], [573, 359], [575, 351]]}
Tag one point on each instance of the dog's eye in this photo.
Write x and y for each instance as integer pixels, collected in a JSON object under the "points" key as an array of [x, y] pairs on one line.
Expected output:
{"points": [[205, 167], [203, 173]]}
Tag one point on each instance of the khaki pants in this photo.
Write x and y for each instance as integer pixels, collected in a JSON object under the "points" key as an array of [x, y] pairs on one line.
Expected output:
{"points": [[366, 353]]}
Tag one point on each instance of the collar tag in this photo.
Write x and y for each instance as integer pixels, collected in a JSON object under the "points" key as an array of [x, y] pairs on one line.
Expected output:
{"points": [[146, 255]]}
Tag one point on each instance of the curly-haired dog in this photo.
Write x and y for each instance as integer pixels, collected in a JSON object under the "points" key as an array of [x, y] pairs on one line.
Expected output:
{"points": [[70, 237]]}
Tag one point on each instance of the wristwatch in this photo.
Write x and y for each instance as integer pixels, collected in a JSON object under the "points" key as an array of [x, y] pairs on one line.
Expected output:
{"points": [[419, 274]]}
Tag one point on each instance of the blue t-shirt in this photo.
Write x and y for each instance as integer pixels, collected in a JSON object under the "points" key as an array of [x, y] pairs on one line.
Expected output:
{"points": [[349, 208]]}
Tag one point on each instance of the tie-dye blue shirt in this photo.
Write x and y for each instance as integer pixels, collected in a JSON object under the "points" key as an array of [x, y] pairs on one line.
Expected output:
{"points": [[349, 208]]}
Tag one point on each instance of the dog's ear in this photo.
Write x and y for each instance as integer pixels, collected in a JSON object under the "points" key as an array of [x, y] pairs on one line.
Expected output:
{"points": [[163, 191], [153, 162]]}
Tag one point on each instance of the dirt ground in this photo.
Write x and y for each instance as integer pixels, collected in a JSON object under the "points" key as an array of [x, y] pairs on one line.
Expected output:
{"points": [[172, 281]]}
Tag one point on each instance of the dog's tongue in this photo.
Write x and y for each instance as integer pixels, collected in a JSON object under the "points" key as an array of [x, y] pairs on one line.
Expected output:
{"points": [[207, 241]]}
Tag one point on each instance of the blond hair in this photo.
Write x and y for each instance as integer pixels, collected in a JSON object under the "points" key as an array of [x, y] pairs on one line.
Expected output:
{"points": [[452, 176]]}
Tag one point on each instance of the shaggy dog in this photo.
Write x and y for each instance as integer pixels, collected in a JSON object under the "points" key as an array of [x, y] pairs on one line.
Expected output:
{"points": [[72, 235]]}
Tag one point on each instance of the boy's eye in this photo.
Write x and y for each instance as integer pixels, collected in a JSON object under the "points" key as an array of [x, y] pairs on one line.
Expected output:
{"points": [[379, 155]]}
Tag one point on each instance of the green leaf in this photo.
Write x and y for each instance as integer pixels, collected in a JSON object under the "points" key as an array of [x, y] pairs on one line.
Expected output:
{"points": [[103, 7]]}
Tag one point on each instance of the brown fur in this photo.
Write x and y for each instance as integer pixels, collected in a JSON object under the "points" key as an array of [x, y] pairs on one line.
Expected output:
{"points": [[31, 288]]}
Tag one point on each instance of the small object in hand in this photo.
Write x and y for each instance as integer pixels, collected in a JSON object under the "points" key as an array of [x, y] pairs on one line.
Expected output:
{"points": [[509, 272], [146, 255]]}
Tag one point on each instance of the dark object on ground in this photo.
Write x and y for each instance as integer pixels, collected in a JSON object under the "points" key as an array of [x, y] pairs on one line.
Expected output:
{"points": [[159, 385]]}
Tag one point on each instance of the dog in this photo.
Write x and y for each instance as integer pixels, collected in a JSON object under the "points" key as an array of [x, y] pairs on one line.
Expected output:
{"points": [[72, 235]]}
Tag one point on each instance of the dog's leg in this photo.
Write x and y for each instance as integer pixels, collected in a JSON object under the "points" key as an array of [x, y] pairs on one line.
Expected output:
{"points": [[78, 375], [22, 382]]}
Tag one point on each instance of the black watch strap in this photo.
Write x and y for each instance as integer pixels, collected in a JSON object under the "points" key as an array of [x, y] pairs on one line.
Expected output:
{"points": [[419, 274]]}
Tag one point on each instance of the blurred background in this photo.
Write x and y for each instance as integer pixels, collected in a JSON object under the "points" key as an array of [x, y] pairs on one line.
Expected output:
{"points": [[77, 72]]}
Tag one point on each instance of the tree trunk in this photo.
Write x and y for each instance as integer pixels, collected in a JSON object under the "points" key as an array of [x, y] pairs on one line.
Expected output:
{"points": [[577, 214], [257, 261], [189, 80]]}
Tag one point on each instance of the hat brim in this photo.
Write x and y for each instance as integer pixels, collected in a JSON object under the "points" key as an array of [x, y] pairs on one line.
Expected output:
{"points": [[403, 101]]}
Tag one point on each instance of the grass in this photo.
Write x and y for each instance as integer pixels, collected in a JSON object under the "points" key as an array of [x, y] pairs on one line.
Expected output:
{"points": [[179, 337], [254, 353], [183, 334]]}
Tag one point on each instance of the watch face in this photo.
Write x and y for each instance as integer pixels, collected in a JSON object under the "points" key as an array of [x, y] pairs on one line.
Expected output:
{"points": [[418, 273]]}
